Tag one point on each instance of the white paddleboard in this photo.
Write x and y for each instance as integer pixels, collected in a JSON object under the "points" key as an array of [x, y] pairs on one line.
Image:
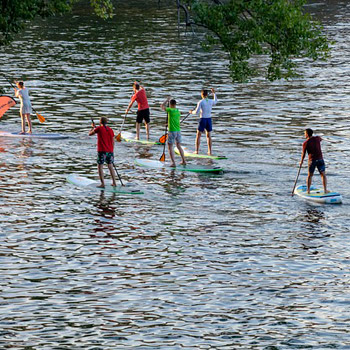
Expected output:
{"points": [[32, 136], [317, 195], [84, 182], [156, 164], [195, 155], [129, 137]]}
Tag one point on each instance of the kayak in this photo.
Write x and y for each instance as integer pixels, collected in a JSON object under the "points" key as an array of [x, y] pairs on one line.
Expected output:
{"points": [[33, 136], [129, 137], [82, 181], [317, 195], [157, 164], [195, 155]]}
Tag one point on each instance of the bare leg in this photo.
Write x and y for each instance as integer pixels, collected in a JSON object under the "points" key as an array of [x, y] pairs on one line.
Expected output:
{"points": [[309, 181], [111, 170], [29, 121], [171, 154], [209, 142], [23, 123], [178, 145], [137, 131], [198, 141], [324, 181], [147, 130], [101, 176]]}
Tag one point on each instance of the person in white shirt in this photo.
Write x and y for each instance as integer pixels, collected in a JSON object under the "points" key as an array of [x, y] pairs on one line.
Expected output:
{"points": [[26, 107], [204, 108]]}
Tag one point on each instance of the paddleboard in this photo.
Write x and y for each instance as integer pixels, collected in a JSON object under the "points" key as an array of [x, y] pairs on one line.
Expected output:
{"points": [[317, 195], [195, 155], [33, 136], [150, 163], [129, 137], [82, 181]]}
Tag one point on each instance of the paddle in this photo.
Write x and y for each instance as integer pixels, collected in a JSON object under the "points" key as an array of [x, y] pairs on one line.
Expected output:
{"points": [[39, 116], [120, 179], [296, 180], [185, 118], [162, 157], [119, 136]]}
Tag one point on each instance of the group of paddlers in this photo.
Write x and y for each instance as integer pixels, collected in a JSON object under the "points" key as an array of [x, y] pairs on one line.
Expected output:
{"points": [[106, 137]]}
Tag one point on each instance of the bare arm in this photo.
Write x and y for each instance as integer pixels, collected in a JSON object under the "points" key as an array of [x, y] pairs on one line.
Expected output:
{"points": [[164, 104], [92, 131]]}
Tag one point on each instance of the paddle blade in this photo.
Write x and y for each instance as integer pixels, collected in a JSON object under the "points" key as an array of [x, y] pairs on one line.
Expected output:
{"points": [[163, 138], [119, 137], [6, 102], [40, 117], [162, 158]]}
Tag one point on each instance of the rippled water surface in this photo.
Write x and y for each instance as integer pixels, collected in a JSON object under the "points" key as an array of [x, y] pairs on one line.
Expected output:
{"points": [[226, 261]]}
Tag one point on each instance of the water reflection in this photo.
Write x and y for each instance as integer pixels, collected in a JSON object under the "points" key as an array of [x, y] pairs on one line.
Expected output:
{"points": [[196, 256]]}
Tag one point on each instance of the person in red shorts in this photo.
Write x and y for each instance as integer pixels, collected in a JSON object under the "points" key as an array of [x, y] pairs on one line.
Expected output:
{"points": [[143, 113], [105, 149], [312, 146]]}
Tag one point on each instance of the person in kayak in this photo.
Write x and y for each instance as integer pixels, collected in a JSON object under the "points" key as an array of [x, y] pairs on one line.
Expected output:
{"points": [[174, 131], [105, 149], [26, 107], [143, 112], [312, 146], [204, 108]]}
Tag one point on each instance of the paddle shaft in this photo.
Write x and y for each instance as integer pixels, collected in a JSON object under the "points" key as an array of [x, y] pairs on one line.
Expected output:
{"points": [[162, 157], [296, 180], [185, 117]]}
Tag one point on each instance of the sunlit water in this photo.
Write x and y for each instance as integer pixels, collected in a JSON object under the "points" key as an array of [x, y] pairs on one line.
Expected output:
{"points": [[225, 261]]}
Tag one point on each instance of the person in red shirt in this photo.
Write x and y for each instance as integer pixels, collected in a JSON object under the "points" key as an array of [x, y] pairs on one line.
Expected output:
{"points": [[312, 146], [105, 149], [143, 112]]}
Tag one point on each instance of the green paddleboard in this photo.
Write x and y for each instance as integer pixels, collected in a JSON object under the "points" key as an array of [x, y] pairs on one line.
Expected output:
{"points": [[87, 183], [156, 164], [195, 155], [129, 137]]}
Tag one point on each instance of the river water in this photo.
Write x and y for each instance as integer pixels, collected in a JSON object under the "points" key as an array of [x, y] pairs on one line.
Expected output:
{"points": [[227, 261]]}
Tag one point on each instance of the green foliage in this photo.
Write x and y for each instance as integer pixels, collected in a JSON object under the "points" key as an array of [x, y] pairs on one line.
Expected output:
{"points": [[103, 8], [14, 14], [277, 31]]}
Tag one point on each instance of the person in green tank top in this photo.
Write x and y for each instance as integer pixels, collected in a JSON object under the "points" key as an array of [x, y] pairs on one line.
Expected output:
{"points": [[174, 131]]}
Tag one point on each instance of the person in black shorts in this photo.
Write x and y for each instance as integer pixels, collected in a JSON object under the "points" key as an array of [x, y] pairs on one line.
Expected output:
{"points": [[312, 146], [143, 113]]}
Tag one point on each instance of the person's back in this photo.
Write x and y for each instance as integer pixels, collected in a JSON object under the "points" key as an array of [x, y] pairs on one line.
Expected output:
{"points": [[105, 142], [205, 106], [174, 116], [141, 98], [313, 147]]}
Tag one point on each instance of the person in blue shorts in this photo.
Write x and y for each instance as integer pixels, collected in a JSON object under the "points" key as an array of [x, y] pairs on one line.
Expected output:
{"points": [[204, 108]]}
